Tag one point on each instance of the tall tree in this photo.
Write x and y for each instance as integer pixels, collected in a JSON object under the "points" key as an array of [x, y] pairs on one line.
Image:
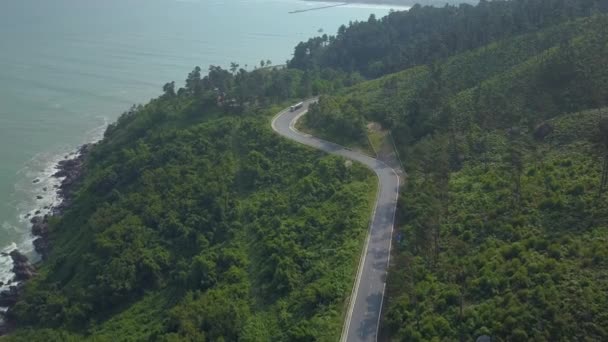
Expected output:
{"points": [[193, 82]]}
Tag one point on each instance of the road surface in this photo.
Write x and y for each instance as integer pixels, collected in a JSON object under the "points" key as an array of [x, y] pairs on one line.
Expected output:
{"points": [[363, 316]]}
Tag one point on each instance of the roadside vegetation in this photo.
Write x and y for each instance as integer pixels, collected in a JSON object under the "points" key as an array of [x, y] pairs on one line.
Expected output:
{"points": [[405, 39], [503, 219], [511, 245], [195, 221]]}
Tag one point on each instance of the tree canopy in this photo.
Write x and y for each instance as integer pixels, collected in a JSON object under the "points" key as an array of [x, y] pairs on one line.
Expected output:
{"points": [[501, 229], [422, 34], [195, 222]]}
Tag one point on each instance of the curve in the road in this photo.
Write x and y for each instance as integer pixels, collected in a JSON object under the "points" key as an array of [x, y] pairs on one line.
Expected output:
{"points": [[362, 320]]}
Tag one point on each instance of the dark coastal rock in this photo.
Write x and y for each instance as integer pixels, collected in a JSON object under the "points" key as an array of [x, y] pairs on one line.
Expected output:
{"points": [[9, 297], [60, 174], [18, 257], [21, 266], [542, 130], [36, 181], [59, 209], [7, 325], [71, 171], [40, 226], [44, 189], [36, 219], [41, 245]]}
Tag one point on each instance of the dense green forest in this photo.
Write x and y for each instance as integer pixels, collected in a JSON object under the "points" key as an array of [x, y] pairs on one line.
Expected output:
{"points": [[196, 222], [423, 34], [503, 222]]}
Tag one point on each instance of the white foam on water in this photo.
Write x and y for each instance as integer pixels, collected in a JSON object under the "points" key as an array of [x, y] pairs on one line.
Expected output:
{"points": [[96, 134], [6, 270], [37, 188], [37, 199], [27, 204], [6, 266], [36, 194]]}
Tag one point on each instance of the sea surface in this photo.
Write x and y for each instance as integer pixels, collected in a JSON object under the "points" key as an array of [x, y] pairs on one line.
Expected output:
{"points": [[69, 67]]}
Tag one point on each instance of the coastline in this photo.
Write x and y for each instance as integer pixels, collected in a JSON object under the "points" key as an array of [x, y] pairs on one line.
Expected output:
{"points": [[400, 4], [68, 173]]}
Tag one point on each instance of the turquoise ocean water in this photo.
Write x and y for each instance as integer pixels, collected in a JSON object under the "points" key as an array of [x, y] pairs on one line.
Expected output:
{"points": [[69, 67]]}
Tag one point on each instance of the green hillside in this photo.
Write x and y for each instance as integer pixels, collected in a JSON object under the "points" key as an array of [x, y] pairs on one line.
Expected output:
{"points": [[512, 245], [195, 221], [417, 101], [503, 224], [424, 34]]}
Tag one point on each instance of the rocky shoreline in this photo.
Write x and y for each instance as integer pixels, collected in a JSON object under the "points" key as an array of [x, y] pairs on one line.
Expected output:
{"points": [[70, 171]]}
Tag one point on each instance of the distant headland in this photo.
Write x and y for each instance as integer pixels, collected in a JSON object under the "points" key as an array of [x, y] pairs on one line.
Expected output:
{"points": [[404, 3]]}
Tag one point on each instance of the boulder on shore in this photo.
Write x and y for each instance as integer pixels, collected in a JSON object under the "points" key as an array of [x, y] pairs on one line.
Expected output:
{"points": [[41, 245], [40, 225], [9, 297], [40, 228], [70, 170], [21, 266]]}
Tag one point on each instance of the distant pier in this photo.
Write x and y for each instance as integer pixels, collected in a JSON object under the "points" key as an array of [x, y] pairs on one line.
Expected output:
{"points": [[317, 8]]}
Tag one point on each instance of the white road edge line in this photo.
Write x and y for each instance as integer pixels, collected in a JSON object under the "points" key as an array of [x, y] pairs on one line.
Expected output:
{"points": [[355, 290], [388, 261]]}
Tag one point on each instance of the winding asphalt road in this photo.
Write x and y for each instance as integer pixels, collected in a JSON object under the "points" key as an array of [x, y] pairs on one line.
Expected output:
{"points": [[362, 320]]}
